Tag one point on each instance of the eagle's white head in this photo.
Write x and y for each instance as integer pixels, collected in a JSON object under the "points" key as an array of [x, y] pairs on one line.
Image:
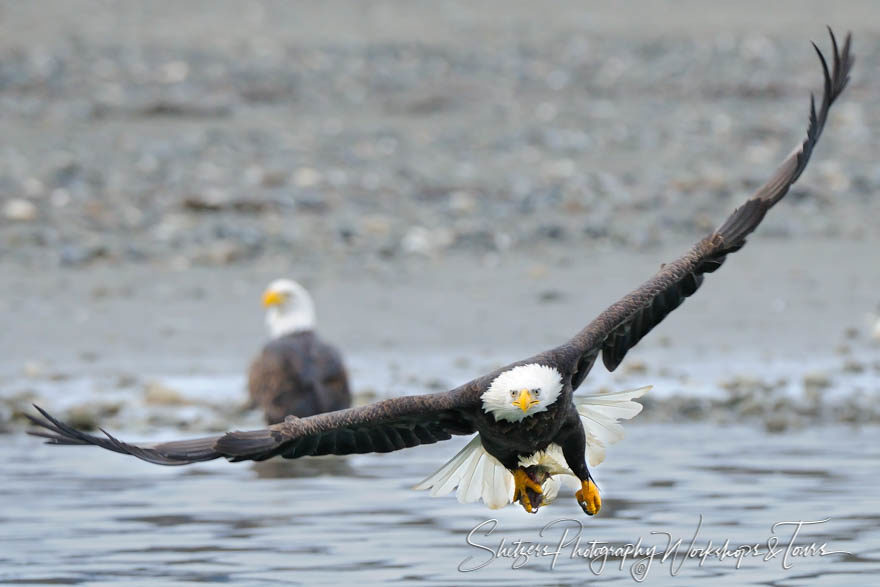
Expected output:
{"points": [[289, 308], [522, 391]]}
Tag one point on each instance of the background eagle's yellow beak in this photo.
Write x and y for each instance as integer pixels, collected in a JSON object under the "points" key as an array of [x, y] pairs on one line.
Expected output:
{"points": [[272, 298], [524, 400]]}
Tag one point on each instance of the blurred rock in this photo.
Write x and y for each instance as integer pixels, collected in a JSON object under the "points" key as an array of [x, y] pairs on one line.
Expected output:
{"points": [[549, 296], [89, 416], [461, 202], [157, 394], [816, 381], [33, 369], [19, 210], [635, 367], [76, 255], [126, 380], [853, 366], [306, 177], [13, 408]]}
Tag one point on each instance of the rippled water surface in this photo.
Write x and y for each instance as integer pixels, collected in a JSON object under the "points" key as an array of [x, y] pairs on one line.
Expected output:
{"points": [[73, 514]]}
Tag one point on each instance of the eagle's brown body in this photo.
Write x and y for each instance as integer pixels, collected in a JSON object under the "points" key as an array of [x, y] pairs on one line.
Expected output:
{"points": [[298, 374], [508, 441]]}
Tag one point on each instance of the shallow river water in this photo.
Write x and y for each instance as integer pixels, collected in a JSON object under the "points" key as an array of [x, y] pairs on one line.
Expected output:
{"points": [[82, 515]]}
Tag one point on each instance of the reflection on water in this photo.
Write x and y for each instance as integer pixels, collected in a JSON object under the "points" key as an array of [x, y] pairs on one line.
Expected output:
{"points": [[70, 515], [314, 467]]}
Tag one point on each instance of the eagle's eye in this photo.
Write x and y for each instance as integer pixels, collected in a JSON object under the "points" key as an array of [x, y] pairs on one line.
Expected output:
{"points": [[513, 393], [537, 392]]}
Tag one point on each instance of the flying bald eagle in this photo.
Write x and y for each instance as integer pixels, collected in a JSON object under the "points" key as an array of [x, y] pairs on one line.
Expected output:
{"points": [[529, 425], [296, 373]]}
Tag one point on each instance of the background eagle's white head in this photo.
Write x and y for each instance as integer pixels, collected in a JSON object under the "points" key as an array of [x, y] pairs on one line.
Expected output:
{"points": [[289, 308], [522, 391]]}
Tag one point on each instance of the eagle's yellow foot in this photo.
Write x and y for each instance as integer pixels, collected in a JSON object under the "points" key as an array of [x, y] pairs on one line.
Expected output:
{"points": [[522, 481], [588, 497]]}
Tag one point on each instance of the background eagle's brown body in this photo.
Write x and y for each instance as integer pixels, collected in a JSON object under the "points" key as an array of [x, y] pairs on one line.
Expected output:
{"points": [[298, 374]]}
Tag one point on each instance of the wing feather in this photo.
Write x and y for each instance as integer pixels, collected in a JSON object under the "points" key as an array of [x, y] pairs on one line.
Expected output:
{"points": [[622, 325], [384, 426]]}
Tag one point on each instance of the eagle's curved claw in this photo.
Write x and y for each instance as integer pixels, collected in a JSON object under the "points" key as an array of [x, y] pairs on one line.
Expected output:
{"points": [[588, 497], [522, 481]]}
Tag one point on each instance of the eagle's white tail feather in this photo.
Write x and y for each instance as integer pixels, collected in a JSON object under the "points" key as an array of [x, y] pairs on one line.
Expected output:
{"points": [[436, 481], [476, 473], [471, 482], [497, 485], [479, 475], [466, 474], [477, 486], [454, 475]]}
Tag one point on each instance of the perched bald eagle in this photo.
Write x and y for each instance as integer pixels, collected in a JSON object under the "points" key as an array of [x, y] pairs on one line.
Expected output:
{"points": [[528, 421], [296, 373]]}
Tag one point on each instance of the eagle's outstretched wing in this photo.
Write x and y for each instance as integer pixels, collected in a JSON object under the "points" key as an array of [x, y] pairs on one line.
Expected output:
{"points": [[384, 426], [622, 325]]}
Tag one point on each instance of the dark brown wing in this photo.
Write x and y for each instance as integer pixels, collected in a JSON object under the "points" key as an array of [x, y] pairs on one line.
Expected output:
{"points": [[622, 325], [298, 375], [384, 426]]}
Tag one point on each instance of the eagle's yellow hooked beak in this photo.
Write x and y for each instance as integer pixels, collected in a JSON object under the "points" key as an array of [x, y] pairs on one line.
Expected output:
{"points": [[525, 400], [272, 298]]}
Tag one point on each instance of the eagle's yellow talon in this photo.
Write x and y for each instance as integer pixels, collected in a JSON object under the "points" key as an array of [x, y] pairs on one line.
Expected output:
{"points": [[588, 497], [522, 481]]}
